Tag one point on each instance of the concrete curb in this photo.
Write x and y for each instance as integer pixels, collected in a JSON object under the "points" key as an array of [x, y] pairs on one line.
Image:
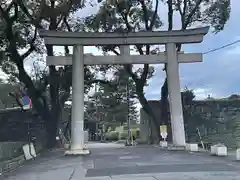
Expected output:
{"points": [[11, 164]]}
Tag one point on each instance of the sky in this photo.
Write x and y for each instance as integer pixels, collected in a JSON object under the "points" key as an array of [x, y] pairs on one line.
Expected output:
{"points": [[216, 76]]}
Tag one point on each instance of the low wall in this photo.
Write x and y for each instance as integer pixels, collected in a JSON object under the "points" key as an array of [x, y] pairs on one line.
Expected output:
{"points": [[11, 154], [225, 138], [11, 164], [9, 150]]}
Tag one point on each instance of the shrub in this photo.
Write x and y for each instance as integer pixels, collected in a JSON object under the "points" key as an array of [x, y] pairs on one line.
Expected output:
{"points": [[112, 136], [124, 135], [135, 133]]}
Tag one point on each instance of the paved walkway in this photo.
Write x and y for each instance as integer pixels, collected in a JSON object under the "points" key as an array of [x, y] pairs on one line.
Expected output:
{"points": [[116, 162]]}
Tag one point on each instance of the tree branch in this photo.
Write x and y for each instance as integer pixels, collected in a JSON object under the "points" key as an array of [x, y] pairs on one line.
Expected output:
{"points": [[188, 20], [128, 69], [179, 2], [101, 82], [170, 22], [66, 23], [145, 73], [15, 16], [17, 99], [129, 27], [170, 15], [10, 6], [35, 21], [154, 15], [59, 20], [32, 46], [4, 14], [184, 7], [145, 13]]}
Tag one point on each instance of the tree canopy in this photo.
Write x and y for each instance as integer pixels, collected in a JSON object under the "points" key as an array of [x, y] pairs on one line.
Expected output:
{"points": [[49, 88]]}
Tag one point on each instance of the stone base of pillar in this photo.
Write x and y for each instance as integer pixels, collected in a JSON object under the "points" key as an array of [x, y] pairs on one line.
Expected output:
{"points": [[176, 148], [77, 152]]}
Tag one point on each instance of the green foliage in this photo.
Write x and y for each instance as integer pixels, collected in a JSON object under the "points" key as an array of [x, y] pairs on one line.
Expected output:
{"points": [[19, 24], [112, 136], [215, 13], [129, 16], [210, 116], [123, 135], [193, 118], [123, 16], [7, 101], [187, 96], [111, 99], [135, 133]]}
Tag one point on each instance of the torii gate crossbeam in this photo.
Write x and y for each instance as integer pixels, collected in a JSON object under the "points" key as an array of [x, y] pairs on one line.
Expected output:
{"points": [[171, 57]]}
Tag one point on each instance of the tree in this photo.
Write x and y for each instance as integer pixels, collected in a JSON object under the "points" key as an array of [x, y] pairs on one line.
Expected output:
{"points": [[130, 16], [208, 118], [112, 98], [20, 21], [125, 94], [191, 117], [6, 100], [193, 12]]}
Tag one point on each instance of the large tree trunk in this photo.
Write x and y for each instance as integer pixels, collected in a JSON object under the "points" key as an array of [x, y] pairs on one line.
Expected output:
{"points": [[165, 119], [52, 125], [41, 109], [164, 89], [50, 119], [148, 110], [51, 128]]}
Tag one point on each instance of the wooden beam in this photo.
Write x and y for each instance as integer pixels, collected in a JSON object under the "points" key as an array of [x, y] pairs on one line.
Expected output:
{"points": [[133, 59], [95, 39]]}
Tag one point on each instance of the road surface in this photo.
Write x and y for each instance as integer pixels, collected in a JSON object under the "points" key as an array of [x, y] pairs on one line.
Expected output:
{"points": [[116, 162]]}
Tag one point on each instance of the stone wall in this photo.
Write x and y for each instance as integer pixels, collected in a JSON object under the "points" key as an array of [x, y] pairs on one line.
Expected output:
{"points": [[221, 121], [12, 155], [19, 126], [11, 164], [224, 138], [9, 150]]}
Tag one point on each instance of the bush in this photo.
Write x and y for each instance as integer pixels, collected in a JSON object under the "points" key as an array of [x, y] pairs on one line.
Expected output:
{"points": [[123, 135], [112, 136], [135, 133]]}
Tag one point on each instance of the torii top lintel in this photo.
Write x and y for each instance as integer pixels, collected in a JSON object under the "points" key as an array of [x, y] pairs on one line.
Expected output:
{"points": [[97, 38]]}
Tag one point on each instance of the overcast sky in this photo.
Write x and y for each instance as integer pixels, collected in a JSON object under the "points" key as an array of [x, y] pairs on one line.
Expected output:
{"points": [[217, 76]]}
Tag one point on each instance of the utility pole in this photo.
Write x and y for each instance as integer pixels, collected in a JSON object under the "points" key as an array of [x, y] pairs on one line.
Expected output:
{"points": [[129, 139]]}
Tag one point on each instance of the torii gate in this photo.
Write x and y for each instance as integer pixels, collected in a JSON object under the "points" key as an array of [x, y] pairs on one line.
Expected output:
{"points": [[80, 39]]}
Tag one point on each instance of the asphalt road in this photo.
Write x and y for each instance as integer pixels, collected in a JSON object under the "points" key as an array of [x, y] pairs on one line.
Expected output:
{"points": [[112, 161]]}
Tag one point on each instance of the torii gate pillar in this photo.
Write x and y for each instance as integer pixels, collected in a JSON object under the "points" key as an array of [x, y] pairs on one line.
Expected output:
{"points": [[77, 124], [175, 104], [171, 57]]}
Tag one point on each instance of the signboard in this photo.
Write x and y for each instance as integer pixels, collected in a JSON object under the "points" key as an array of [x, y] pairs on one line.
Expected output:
{"points": [[27, 102], [163, 131]]}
